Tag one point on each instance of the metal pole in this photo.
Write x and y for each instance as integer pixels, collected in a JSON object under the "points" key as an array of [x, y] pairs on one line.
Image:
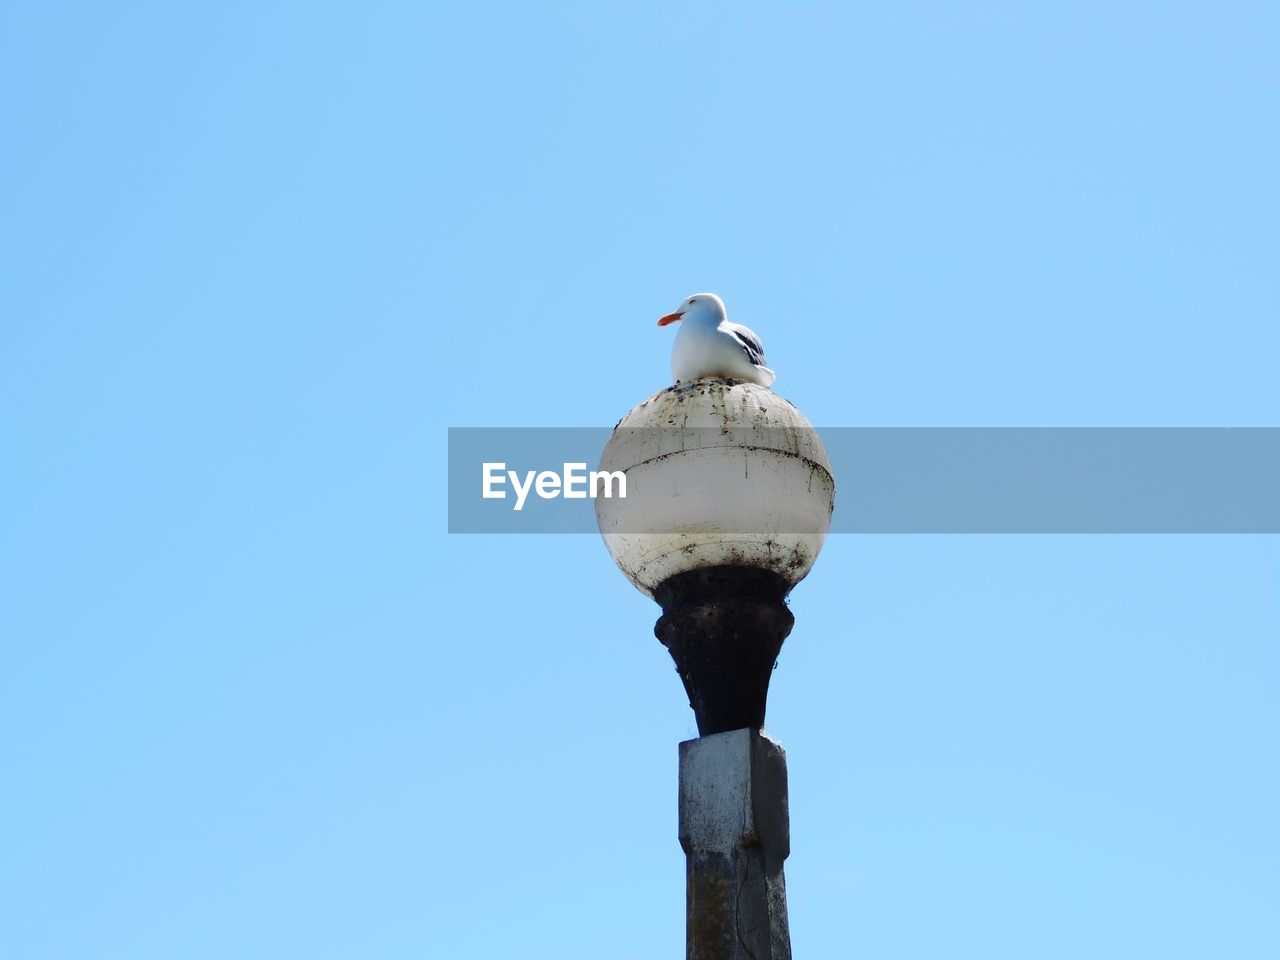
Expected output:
{"points": [[735, 831], [724, 627]]}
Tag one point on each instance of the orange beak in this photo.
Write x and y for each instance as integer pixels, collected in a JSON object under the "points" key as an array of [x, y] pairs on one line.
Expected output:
{"points": [[670, 318]]}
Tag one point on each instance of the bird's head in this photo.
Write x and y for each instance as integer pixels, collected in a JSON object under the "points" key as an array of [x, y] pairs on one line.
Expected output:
{"points": [[697, 307]]}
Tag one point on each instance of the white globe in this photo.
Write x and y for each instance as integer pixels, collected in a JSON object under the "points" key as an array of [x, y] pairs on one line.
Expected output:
{"points": [[718, 472]]}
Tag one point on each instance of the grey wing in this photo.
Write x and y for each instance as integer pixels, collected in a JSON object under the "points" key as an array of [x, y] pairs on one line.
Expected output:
{"points": [[750, 343]]}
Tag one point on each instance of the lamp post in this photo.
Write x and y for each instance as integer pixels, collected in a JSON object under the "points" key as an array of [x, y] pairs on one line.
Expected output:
{"points": [[729, 497]]}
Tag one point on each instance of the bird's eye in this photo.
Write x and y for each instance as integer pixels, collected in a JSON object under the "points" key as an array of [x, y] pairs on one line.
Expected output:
{"points": [[693, 299]]}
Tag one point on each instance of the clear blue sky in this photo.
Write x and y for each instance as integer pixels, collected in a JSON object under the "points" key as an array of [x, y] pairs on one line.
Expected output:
{"points": [[255, 703]]}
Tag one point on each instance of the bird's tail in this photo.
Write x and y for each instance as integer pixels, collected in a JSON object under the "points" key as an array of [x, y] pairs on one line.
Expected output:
{"points": [[767, 376]]}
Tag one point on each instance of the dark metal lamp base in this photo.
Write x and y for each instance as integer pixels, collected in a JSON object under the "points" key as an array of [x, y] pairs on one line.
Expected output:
{"points": [[724, 627]]}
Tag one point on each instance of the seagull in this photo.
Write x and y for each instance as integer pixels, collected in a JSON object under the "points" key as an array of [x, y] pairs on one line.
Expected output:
{"points": [[708, 345]]}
